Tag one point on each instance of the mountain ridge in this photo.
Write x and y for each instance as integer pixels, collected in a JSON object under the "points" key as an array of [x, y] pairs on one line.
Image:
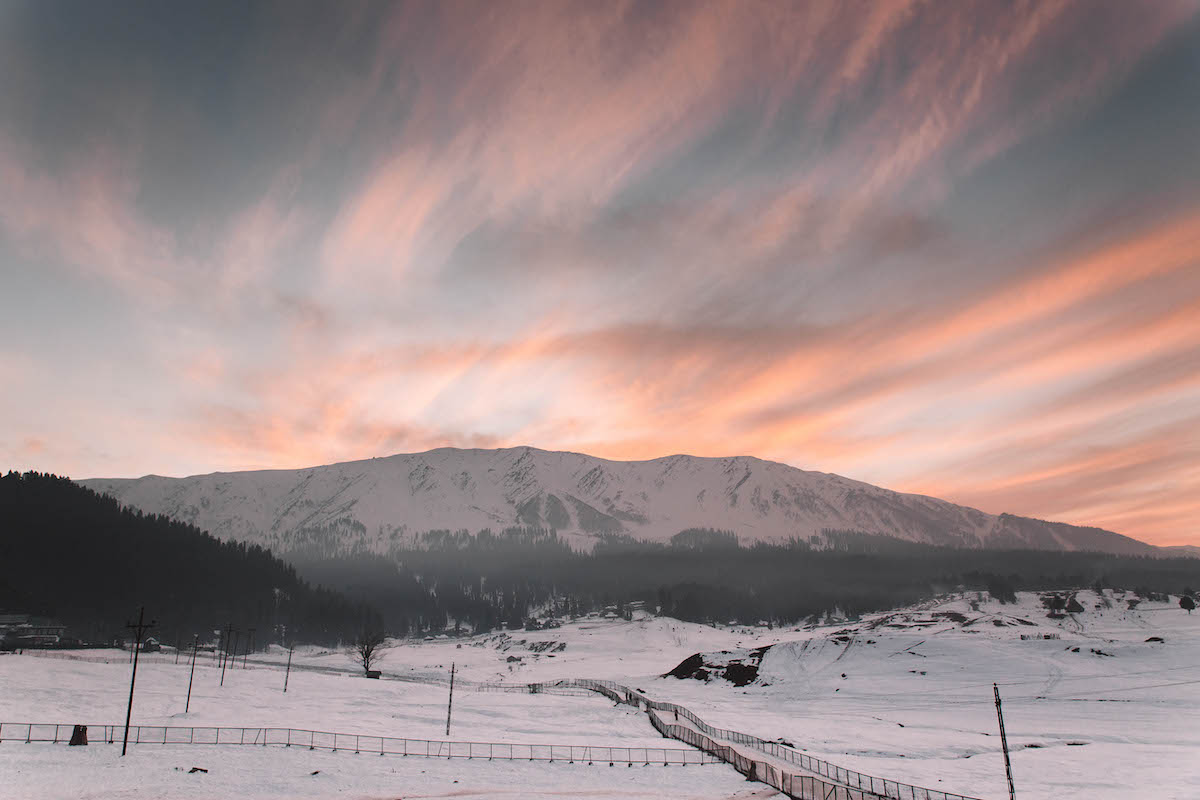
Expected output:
{"points": [[378, 503]]}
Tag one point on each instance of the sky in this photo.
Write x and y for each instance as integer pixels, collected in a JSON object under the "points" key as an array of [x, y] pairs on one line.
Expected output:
{"points": [[947, 248]]}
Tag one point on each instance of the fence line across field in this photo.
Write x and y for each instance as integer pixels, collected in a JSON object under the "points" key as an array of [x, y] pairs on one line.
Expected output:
{"points": [[864, 786], [805, 787], [29, 732], [857, 786], [206, 660]]}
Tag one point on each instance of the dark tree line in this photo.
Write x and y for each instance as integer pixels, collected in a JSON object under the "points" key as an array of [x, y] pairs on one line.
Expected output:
{"points": [[487, 579], [70, 553]]}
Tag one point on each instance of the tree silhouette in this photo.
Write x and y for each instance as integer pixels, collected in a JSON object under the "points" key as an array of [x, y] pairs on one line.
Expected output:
{"points": [[368, 648]]}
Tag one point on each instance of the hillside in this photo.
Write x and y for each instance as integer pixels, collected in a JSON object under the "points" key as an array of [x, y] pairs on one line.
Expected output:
{"points": [[78, 556], [1093, 701], [377, 504]]}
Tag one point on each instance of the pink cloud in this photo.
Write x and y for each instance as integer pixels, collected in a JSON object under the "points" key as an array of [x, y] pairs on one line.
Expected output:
{"points": [[658, 197]]}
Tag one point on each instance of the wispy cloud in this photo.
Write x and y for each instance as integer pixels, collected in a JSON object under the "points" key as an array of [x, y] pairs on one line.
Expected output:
{"points": [[820, 232]]}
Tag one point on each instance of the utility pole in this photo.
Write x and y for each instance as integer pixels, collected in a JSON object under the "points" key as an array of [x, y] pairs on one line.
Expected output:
{"points": [[192, 674], [1012, 792], [450, 704], [224, 659], [249, 645], [139, 628], [288, 674]]}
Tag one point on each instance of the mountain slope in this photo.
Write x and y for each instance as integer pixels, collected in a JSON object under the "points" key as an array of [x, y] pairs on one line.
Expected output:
{"points": [[80, 557], [376, 503]]}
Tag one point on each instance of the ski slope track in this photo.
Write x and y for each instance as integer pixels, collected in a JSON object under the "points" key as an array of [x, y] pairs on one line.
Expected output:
{"points": [[381, 503]]}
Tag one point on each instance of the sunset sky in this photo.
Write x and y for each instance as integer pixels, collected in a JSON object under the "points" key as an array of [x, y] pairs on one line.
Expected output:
{"points": [[943, 247]]}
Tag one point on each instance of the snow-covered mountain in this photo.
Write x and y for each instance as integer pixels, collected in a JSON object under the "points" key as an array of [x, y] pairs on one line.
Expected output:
{"points": [[381, 502]]}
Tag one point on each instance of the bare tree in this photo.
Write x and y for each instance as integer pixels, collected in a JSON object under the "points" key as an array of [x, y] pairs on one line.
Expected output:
{"points": [[368, 648]]}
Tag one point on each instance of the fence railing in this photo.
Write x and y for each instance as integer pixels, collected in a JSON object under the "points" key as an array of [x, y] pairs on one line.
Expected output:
{"points": [[111, 658], [865, 786], [381, 745], [805, 787]]}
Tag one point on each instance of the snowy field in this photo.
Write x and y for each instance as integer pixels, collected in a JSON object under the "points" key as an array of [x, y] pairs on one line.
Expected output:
{"points": [[56, 771], [1098, 713], [87, 692]]}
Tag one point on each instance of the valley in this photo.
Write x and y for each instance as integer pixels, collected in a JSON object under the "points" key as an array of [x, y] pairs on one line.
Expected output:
{"points": [[1096, 703]]}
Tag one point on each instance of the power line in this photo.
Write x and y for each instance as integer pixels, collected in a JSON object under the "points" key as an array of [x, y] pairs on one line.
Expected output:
{"points": [[963, 688], [940, 701], [1133, 689]]}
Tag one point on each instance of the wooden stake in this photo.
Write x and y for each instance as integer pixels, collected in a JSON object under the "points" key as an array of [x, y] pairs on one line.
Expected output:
{"points": [[450, 705], [288, 674], [192, 674]]}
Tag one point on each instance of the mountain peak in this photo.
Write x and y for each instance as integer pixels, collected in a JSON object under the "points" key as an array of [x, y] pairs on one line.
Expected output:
{"points": [[371, 503]]}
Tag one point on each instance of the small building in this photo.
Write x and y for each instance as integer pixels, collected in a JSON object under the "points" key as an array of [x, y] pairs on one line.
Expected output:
{"points": [[26, 630]]}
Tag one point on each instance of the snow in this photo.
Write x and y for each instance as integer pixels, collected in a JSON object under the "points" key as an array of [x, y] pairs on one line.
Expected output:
{"points": [[915, 705], [45, 772], [65, 691], [578, 495], [94, 693], [607, 649]]}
